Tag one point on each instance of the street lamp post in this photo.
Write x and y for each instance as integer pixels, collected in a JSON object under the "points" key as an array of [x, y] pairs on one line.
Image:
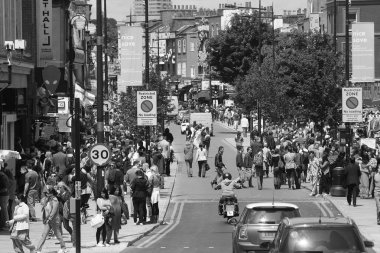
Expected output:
{"points": [[347, 74], [106, 91], [147, 128]]}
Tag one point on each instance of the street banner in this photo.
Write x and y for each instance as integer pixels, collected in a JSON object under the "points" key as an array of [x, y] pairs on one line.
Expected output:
{"points": [[131, 57], [363, 52], [146, 108], [352, 105], [44, 18]]}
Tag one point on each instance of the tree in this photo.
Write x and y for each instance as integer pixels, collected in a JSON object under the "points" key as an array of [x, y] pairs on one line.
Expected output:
{"points": [[112, 40], [234, 50], [300, 83]]}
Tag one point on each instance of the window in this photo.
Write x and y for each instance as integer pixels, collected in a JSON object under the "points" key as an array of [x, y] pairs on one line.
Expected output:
{"points": [[183, 69], [179, 68], [184, 46], [353, 16], [179, 46], [192, 46], [192, 72]]}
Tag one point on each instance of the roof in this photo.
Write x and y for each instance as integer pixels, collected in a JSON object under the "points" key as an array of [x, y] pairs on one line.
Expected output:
{"points": [[305, 221], [271, 204]]}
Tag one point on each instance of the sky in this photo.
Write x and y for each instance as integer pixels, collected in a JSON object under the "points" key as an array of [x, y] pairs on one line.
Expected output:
{"points": [[119, 9]]}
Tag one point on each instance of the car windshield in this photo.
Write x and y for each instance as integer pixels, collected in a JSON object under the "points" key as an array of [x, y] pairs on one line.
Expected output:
{"points": [[323, 240], [272, 215]]}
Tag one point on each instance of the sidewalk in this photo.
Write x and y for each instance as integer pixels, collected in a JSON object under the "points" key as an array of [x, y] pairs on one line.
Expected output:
{"points": [[129, 233], [364, 214]]}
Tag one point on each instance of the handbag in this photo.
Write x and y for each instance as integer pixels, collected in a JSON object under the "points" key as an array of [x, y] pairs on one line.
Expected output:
{"points": [[207, 167], [97, 221]]}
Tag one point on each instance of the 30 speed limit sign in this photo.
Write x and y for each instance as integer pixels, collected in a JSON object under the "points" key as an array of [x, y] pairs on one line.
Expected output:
{"points": [[100, 154]]}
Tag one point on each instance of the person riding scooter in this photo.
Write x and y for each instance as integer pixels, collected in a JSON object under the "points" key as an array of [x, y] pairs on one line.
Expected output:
{"points": [[227, 185]]}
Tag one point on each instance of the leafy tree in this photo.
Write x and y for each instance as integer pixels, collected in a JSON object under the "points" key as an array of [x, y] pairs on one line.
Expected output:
{"points": [[112, 40], [233, 52], [302, 81]]}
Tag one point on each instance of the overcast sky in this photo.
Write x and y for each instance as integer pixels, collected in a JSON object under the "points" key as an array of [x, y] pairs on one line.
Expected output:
{"points": [[119, 9]]}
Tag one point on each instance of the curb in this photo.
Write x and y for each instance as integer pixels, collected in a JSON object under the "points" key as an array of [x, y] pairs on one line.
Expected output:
{"points": [[130, 243]]}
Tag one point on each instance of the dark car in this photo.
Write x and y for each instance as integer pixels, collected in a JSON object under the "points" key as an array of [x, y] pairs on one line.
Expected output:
{"points": [[258, 225], [322, 235]]}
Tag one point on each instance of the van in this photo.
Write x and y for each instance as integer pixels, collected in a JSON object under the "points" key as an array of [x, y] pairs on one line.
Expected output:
{"points": [[204, 118]]}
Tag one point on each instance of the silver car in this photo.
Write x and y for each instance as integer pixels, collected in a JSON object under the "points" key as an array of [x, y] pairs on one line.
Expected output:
{"points": [[258, 225]]}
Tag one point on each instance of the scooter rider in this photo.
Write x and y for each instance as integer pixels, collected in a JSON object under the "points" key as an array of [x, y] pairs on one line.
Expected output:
{"points": [[227, 185]]}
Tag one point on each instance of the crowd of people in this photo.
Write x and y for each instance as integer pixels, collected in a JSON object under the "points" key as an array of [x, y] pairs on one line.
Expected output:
{"points": [[46, 175]]}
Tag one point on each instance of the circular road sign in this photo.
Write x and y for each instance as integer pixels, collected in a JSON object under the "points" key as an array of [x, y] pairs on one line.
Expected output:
{"points": [[352, 102], [100, 154], [146, 105]]}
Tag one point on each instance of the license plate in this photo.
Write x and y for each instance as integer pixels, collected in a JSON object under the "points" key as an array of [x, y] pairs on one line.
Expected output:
{"points": [[268, 235], [230, 208]]}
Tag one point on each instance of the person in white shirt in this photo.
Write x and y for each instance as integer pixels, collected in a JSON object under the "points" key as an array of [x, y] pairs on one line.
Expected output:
{"points": [[20, 225], [244, 125], [201, 158]]}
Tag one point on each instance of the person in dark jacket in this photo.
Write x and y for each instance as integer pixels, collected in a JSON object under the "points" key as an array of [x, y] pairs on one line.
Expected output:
{"points": [[139, 189], [248, 164], [240, 163], [219, 165], [352, 173], [270, 141]]}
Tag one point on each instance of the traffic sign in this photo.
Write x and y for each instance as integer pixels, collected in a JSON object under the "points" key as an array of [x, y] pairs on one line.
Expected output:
{"points": [[100, 154], [352, 105], [107, 106], [146, 108]]}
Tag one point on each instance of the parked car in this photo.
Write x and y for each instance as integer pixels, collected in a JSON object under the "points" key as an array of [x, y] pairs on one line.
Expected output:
{"points": [[319, 234], [258, 225], [185, 122]]}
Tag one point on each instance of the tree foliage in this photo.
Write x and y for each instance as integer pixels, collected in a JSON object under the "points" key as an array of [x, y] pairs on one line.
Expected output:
{"points": [[112, 38], [303, 80], [233, 51]]}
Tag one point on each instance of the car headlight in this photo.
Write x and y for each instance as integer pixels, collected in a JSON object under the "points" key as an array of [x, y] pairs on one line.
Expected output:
{"points": [[243, 233]]}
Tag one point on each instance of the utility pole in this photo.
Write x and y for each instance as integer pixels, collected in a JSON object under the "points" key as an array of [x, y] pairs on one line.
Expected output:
{"points": [[77, 175], [335, 42], [258, 101], [348, 129], [99, 92], [106, 88], [147, 128]]}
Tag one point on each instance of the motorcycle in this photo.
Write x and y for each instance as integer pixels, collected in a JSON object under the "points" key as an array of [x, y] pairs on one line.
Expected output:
{"points": [[230, 210]]}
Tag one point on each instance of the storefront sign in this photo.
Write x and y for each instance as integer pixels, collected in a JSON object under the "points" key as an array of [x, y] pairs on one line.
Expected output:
{"points": [[44, 27], [352, 105]]}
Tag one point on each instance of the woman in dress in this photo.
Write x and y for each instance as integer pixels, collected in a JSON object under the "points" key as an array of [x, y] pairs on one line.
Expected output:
{"points": [[20, 225]]}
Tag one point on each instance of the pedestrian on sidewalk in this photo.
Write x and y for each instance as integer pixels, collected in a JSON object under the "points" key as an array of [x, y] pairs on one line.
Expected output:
{"points": [[258, 161], [377, 195], [20, 225], [64, 195], [114, 224], [4, 198], [201, 158], [290, 166], [236, 118], [31, 188], [239, 140], [244, 125], [189, 154], [51, 219], [240, 165], [139, 188], [352, 173], [314, 172], [104, 206], [155, 196], [248, 165]]}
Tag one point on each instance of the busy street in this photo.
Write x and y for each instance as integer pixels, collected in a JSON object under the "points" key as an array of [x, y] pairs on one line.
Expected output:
{"points": [[144, 126]]}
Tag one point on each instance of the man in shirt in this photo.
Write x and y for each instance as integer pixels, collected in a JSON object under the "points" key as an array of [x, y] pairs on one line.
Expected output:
{"points": [[31, 188], [244, 125], [165, 145], [59, 160]]}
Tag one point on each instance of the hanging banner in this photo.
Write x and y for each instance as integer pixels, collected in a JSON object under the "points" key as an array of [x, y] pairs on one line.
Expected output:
{"points": [[363, 52], [131, 57], [44, 17]]}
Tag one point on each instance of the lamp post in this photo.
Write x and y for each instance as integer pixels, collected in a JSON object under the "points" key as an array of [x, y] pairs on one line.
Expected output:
{"points": [[106, 92], [147, 128], [347, 74]]}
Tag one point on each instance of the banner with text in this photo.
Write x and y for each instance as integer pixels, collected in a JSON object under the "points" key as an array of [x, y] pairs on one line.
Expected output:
{"points": [[44, 9], [363, 52], [131, 57]]}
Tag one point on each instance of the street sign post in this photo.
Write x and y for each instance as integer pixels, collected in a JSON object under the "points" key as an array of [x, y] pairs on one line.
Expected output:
{"points": [[146, 108], [107, 106], [100, 154], [352, 105]]}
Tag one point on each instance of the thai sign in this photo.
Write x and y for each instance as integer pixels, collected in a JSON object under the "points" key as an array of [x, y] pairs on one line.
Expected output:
{"points": [[363, 52], [44, 29]]}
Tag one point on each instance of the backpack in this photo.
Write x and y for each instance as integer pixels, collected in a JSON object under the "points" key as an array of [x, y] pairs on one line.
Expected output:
{"points": [[258, 159]]}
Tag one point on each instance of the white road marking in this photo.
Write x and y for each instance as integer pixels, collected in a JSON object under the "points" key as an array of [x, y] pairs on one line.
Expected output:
{"points": [[322, 209], [166, 228], [210, 247], [331, 214], [163, 247], [169, 229], [186, 247]]}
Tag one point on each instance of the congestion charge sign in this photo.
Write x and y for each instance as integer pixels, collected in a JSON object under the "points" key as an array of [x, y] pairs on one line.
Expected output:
{"points": [[352, 105], [100, 154], [146, 108]]}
